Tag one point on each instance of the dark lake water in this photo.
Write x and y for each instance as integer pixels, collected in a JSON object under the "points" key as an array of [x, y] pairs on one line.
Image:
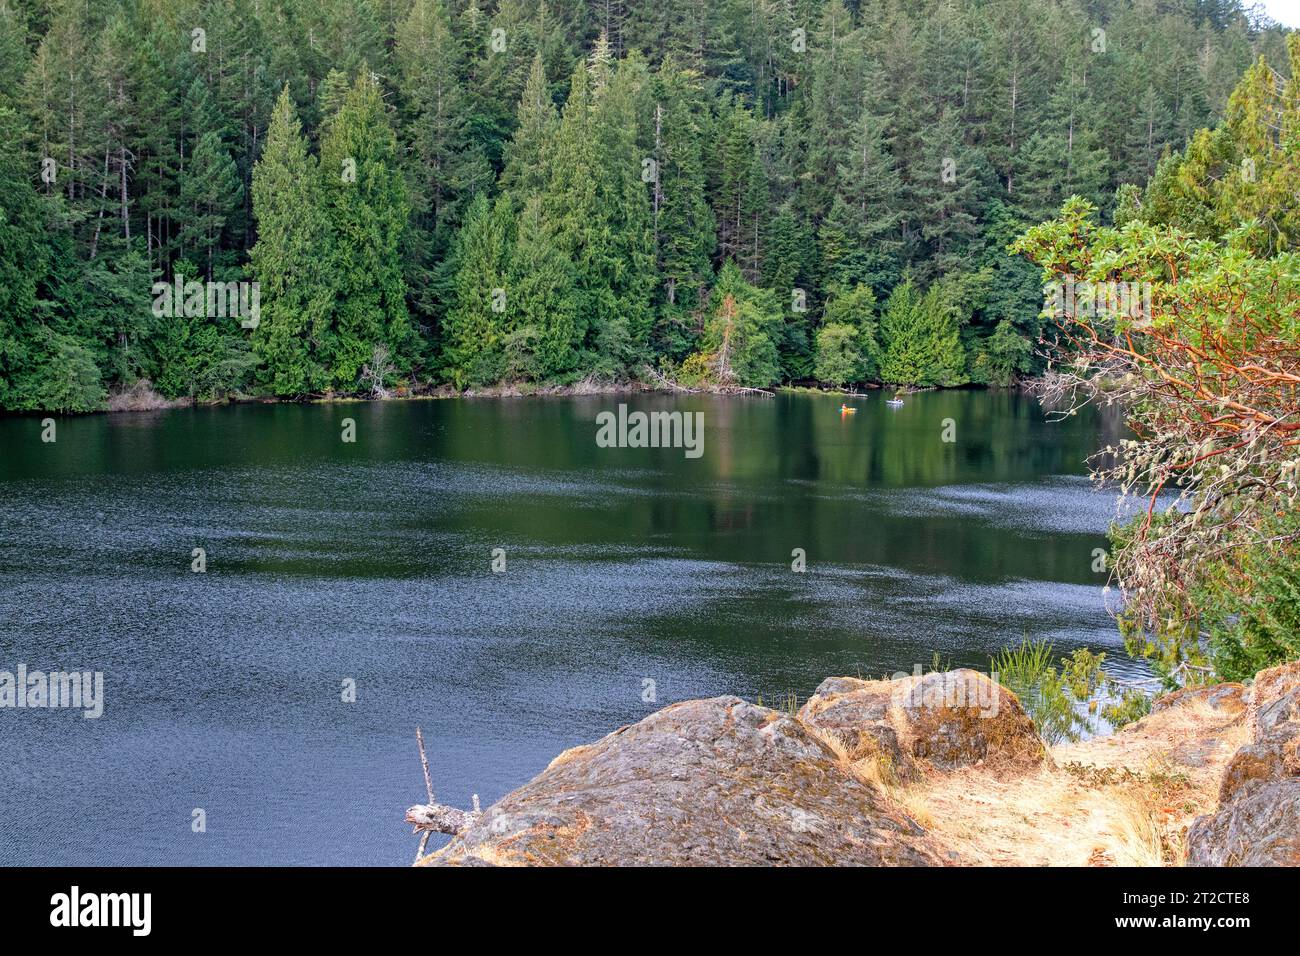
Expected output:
{"points": [[372, 561]]}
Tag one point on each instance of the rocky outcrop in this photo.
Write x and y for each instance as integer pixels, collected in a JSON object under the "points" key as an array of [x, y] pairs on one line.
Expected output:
{"points": [[935, 769], [716, 781], [1257, 822], [1195, 726], [940, 721], [1228, 698], [721, 781]]}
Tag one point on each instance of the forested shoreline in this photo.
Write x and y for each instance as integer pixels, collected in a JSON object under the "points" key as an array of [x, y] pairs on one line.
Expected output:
{"points": [[424, 193]]}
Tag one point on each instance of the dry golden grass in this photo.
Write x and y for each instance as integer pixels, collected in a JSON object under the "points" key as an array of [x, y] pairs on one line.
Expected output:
{"points": [[913, 801], [1139, 835], [1121, 800]]}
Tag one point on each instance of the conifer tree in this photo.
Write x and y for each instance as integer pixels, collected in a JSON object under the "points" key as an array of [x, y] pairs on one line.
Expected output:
{"points": [[294, 336], [739, 344], [542, 341], [366, 213], [527, 169], [839, 356], [24, 260], [860, 241], [599, 205], [14, 56], [449, 170], [475, 330], [856, 308], [947, 186], [920, 337], [444, 160], [683, 224], [803, 142], [210, 194]]}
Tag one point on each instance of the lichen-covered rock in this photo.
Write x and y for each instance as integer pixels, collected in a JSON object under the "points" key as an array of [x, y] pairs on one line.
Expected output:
{"points": [[1228, 698], [856, 717], [1198, 723], [1273, 699], [1273, 721], [1261, 828], [943, 720], [1258, 819], [704, 782]]}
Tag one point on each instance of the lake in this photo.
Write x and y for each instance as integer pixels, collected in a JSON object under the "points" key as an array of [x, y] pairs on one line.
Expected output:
{"points": [[369, 564]]}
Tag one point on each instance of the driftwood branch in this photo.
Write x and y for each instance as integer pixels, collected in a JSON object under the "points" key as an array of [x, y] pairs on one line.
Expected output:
{"points": [[725, 388], [437, 818], [663, 381], [424, 762], [432, 817]]}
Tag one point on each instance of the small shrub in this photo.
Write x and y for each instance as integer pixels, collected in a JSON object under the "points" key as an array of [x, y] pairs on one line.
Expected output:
{"points": [[1051, 698]]}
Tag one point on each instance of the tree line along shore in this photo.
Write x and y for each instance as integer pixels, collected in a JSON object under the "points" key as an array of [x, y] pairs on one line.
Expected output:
{"points": [[541, 193]]}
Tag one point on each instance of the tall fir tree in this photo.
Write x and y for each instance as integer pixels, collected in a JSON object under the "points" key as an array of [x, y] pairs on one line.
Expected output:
{"points": [[210, 194], [527, 169], [599, 204], [682, 221], [295, 337], [920, 338], [542, 340], [476, 326], [366, 211], [861, 239], [446, 165]]}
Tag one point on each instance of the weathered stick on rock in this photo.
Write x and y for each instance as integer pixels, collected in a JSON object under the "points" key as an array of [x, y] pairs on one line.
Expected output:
{"points": [[432, 817], [437, 818]]}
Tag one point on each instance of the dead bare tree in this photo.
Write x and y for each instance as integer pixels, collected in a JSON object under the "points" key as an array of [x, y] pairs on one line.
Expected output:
{"points": [[377, 371]]}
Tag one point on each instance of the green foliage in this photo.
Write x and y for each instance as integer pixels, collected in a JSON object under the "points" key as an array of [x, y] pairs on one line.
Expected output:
{"points": [[1207, 378], [366, 212], [839, 357], [475, 326], [445, 162], [597, 206], [288, 261], [857, 307], [921, 341], [23, 264], [851, 352], [948, 190], [1056, 701], [1130, 706], [1005, 355], [543, 338], [683, 224], [1062, 158], [1189, 574], [1267, 632], [14, 54], [66, 378], [1249, 606], [527, 169], [739, 342], [1244, 170], [814, 171], [210, 193]]}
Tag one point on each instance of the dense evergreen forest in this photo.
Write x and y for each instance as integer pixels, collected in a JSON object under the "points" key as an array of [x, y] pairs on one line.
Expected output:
{"points": [[471, 192]]}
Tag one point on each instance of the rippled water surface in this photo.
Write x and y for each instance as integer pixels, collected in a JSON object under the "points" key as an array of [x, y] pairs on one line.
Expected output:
{"points": [[372, 561]]}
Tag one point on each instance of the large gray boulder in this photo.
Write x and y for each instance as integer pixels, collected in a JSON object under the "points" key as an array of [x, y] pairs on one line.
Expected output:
{"points": [[703, 782], [1257, 822]]}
